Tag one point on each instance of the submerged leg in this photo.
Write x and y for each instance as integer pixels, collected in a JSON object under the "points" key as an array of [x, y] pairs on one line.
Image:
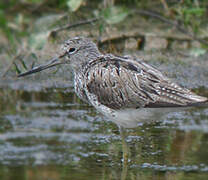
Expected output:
{"points": [[125, 152]]}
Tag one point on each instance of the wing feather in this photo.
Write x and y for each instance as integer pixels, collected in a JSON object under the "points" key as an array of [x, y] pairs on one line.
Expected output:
{"points": [[126, 83]]}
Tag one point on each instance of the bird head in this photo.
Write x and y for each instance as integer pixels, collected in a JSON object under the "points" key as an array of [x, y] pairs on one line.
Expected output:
{"points": [[77, 52]]}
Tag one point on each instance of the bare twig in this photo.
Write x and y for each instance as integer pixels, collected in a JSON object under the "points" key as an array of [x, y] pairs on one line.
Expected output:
{"points": [[173, 23], [68, 26], [165, 5]]}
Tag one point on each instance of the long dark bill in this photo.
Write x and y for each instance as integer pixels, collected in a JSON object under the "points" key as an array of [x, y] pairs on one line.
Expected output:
{"points": [[51, 63]]}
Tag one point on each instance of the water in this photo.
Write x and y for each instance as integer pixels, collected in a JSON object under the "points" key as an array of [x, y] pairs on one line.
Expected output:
{"points": [[51, 134]]}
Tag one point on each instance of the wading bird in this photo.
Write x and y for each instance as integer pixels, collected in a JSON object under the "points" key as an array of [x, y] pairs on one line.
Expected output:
{"points": [[125, 89]]}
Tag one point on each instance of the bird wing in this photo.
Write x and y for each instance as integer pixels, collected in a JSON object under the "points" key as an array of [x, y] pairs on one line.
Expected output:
{"points": [[123, 82]]}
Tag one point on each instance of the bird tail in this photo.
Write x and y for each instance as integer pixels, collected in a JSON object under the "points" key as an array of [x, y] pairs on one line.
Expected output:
{"points": [[198, 101]]}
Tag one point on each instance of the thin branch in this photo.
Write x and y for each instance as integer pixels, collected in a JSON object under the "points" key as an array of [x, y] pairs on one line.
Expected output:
{"points": [[173, 23], [69, 26], [165, 5]]}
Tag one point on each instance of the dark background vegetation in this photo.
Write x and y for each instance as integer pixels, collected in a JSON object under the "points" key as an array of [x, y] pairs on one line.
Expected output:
{"points": [[18, 18]]}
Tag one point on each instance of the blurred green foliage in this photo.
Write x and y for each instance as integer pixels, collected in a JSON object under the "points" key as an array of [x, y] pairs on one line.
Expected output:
{"points": [[74, 4], [192, 14], [18, 18], [114, 14]]}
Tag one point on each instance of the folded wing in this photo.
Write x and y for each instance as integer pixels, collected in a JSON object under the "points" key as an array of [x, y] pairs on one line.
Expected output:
{"points": [[120, 83]]}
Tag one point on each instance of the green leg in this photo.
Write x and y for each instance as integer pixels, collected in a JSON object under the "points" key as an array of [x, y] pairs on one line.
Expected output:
{"points": [[125, 153]]}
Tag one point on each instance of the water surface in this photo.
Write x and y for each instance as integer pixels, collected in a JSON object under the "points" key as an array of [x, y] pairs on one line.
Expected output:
{"points": [[51, 134]]}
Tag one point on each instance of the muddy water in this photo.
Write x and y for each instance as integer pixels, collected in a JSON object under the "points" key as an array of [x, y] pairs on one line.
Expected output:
{"points": [[51, 134]]}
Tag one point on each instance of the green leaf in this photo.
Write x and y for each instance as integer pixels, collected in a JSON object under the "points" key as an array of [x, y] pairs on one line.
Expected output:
{"points": [[115, 14], [16, 68], [74, 4], [34, 1], [195, 11], [197, 52]]}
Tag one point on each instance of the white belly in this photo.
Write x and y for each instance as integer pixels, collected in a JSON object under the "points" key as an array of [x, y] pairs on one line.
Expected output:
{"points": [[130, 118]]}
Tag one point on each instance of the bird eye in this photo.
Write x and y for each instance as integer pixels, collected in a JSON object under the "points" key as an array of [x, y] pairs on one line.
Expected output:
{"points": [[71, 50]]}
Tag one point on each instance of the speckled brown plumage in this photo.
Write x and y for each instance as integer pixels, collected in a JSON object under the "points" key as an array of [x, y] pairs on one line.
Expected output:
{"points": [[114, 84], [121, 83]]}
